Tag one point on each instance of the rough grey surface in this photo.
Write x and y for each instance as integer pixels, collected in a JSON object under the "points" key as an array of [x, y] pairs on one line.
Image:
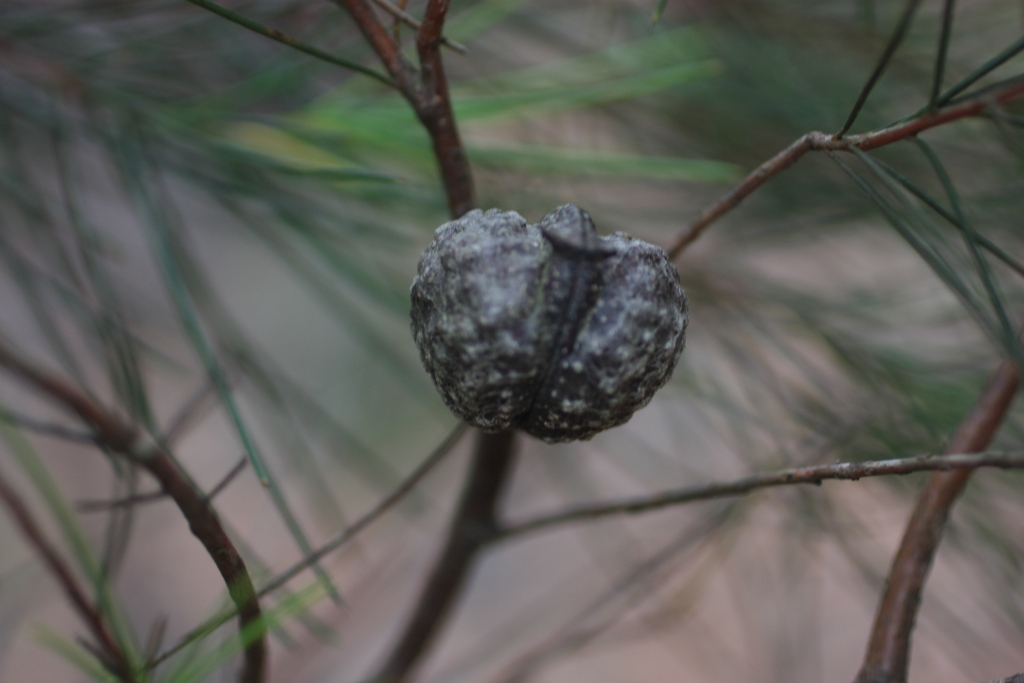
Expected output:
{"points": [[549, 328]]}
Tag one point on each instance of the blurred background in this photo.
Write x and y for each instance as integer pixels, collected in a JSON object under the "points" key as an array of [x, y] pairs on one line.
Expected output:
{"points": [[178, 193]]}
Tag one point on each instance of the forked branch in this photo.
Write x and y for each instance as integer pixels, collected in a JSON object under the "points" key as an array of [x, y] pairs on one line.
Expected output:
{"points": [[426, 90], [975, 105]]}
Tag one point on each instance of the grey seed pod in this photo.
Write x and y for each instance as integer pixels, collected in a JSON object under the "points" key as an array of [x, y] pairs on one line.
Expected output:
{"points": [[549, 328]]}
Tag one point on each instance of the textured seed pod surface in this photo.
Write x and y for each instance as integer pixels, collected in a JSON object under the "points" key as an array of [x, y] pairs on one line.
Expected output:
{"points": [[549, 328]]}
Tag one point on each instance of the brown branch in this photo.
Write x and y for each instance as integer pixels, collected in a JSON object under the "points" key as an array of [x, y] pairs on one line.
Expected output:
{"points": [[108, 651], [426, 90], [154, 496], [435, 112], [204, 524], [415, 23], [888, 653], [851, 471], [474, 524], [975, 105], [125, 440], [330, 546], [390, 53], [475, 519], [756, 179]]}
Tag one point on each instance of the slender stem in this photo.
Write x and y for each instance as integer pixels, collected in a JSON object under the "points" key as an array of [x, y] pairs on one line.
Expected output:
{"points": [[435, 112], [109, 651], [940, 58], [383, 506], [415, 23], [426, 90], [888, 653], [475, 519], [127, 501], [401, 70], [474, 524], [123, 439], [190, 412], [204, 524], [389, 501], [883, 62], [744, 189], [976, 105], [228, 478], [154, 496], [46, 428], [1010, 52], [284, 39], [849, 471]]}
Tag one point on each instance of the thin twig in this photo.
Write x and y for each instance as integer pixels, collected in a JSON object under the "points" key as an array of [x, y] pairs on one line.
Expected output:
{"points": [[850, 471], [975, 105], [940, 57], [435, 457], [426, 90], [474, 524], [412, 21], [108, 651], [744, 189], [1008, 53], [127, 501], [228, 478], [154, 496], [888, 653], [435, 112], [284, 39], [188, 413], [400, 68], [204, 524], [883, 62], [46, 428], [389, 501], [125, 440]]}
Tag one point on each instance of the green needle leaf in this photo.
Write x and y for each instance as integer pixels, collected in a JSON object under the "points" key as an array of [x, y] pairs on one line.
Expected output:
{"points": [[925, 250], [883, 62], [940, 58], [938, 208], [164, 249], [1009, 337], [981, 71]]}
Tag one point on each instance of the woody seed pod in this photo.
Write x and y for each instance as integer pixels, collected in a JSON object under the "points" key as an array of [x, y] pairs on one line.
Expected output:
{"points": [[549, 328]]}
